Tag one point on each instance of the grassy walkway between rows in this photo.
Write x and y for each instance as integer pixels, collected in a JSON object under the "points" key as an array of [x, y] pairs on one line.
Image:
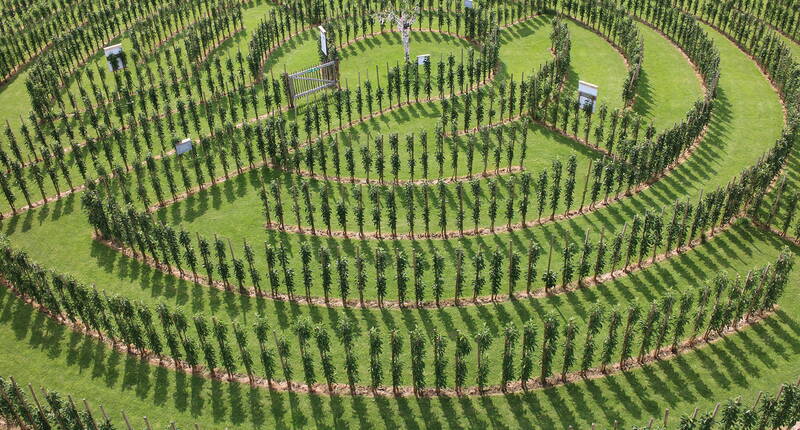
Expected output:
{"points": [[757, 358], [731, 145], [746, 122]]}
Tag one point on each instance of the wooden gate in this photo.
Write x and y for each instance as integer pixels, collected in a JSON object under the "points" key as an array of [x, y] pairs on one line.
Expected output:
{"points": [[311, 80]]}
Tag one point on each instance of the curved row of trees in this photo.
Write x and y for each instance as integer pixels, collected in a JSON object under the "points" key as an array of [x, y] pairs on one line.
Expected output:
{"points": [[53, 69], [27, 30], [537, 351], [767, 412], [23, 408], [341, 106], [648, 233]]}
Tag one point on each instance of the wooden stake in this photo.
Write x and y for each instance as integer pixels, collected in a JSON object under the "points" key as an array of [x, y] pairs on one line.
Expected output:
{"points": [[103, 411], [38, 405], [24, 406], [127, 423], [758, 399], [72, 404], [89, 412]]}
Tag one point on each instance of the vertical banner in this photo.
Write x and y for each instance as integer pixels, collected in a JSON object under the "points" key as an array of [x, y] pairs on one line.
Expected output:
{"points": [[323, 40], [587, 95]]}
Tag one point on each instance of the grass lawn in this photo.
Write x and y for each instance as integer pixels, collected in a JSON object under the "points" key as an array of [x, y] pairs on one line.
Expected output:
{"points": [[36, 350], [234, 206], [758, 358]]}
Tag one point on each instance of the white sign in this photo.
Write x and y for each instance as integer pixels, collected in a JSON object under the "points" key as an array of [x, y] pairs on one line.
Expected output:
{"points": [[421, 59], [113, 56], [468, 4], [323, 40], [184, 146], [587, 95]]}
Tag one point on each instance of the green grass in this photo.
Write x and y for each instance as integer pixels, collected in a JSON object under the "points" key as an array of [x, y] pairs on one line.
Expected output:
{"points": [[667, 85], [34, 349], [729, 146], [32, 229], [719, 158], [69, 363]]}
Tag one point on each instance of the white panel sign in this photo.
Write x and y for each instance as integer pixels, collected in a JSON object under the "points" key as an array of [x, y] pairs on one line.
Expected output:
{"points": [[184, 146], [421, 59], [323, 40], [468, 4], [587, 95], [113, 53]]}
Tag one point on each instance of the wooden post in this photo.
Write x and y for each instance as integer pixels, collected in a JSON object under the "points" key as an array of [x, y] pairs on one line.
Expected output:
{"points": [[77, 416], [56, 411], [666, 417], [38, 405], [287, 85], [89, 412], [127, 423], [758, 399], [105, 415], [147, 423], [19, 394], [15, 416], [778, 396], [585, 186]]}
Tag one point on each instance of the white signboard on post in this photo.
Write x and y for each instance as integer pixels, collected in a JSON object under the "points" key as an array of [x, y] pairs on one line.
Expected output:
{"points": [[587, 95], [421, 59], [323, 40], [184, 146], [114, 57], [468, 4]]}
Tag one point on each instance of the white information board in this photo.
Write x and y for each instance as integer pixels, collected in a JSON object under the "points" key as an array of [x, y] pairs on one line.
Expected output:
{"points": [[468, 4], [184, 146], [587, 95], [113, 58], [421, 59], [323, 40]]}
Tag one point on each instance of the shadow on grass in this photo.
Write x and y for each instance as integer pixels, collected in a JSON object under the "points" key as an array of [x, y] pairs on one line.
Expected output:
{"points": [[631, 397]]}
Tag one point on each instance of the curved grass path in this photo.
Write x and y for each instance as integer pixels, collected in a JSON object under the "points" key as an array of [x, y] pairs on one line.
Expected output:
{"points": [[734, 251], [71, 363], [591, 44], [229, 300], [729, 146], [720, 157], [667, 90], [78, 365], [14, 100]]}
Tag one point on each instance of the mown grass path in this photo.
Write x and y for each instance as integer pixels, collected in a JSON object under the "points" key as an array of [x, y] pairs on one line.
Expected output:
{"points": [[746, 122]]}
